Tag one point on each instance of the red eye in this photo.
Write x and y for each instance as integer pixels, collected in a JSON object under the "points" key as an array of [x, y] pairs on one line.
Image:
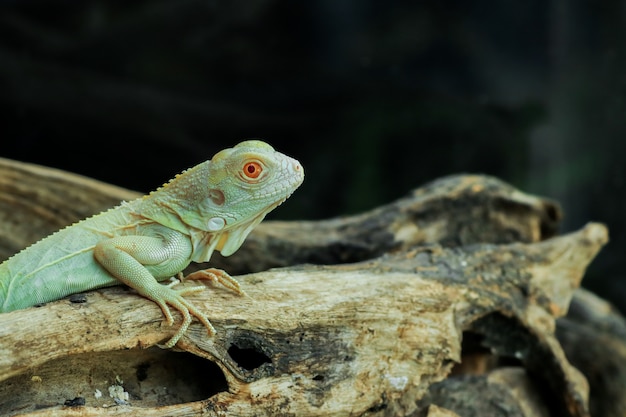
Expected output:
{"points": [[252, 170]]}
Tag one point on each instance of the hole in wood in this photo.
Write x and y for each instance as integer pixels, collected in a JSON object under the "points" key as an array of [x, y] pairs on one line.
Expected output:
{"points": [[248, 357], [151, 378], [477, 359]]}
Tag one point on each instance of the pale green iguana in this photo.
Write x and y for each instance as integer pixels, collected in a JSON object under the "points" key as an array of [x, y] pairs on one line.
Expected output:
{"points": [[212, 206]]}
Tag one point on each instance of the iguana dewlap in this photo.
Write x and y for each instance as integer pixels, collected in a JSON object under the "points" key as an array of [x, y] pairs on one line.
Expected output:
{"points": [[212, 206]]}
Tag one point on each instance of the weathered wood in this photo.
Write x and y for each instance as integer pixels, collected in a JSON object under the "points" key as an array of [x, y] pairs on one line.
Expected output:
{"points": [[453, 211], [502, 392], [333, 339], [397, 331], [593, 335]]}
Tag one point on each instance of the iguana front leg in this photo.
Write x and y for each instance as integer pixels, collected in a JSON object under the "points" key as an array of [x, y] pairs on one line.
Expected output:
{"points": [[138, 261], [215, 276]]}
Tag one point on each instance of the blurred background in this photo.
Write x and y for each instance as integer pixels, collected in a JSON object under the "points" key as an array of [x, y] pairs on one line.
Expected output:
{"points": [[374, 98]]}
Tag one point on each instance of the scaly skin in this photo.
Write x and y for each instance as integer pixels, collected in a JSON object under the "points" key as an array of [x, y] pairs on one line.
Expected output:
{"points": [[212, 206]]}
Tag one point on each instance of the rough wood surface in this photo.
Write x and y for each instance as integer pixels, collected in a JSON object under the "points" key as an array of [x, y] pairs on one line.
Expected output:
{"points": [[435, 305], [593, 335]]}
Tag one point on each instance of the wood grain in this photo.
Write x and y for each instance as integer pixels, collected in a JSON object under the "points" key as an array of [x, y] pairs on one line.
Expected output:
{"points": [[455, 288]]}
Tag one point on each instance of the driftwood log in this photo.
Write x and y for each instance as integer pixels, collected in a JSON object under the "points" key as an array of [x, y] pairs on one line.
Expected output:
{"points": [[450, 301]]}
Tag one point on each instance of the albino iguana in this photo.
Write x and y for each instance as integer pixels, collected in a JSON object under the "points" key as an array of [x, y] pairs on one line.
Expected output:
{"points": [[212, 206]]}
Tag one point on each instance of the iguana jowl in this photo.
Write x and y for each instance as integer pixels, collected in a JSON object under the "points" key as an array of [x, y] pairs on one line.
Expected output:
{"points": [[212, 206]]}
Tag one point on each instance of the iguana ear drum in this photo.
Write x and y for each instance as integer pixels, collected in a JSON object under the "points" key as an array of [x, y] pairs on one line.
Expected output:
{"points": [[216, 196]]}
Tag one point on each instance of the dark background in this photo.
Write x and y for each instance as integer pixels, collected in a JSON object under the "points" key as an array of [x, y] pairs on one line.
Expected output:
{"points": [[374, 98]]}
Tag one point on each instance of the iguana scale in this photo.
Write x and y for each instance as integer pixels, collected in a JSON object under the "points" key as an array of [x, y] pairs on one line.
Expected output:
{"points": [[212, 206]]}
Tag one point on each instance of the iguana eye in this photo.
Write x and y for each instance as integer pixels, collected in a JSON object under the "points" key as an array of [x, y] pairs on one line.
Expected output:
{"points": [[252, 170]]}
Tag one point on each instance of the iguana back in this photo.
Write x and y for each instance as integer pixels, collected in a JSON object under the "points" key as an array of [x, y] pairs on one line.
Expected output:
{"points": [[27, 278]]}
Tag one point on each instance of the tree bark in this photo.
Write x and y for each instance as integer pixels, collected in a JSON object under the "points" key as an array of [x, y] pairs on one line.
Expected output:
{"points": [[442, 303]]}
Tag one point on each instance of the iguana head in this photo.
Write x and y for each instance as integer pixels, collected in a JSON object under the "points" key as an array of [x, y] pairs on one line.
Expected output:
{"points": [[220, 201]]}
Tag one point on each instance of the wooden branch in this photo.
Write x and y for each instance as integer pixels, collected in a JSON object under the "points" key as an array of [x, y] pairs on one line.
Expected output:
{"points": [[593, 336], [409, 326], [456, 210], [336, 339]]}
